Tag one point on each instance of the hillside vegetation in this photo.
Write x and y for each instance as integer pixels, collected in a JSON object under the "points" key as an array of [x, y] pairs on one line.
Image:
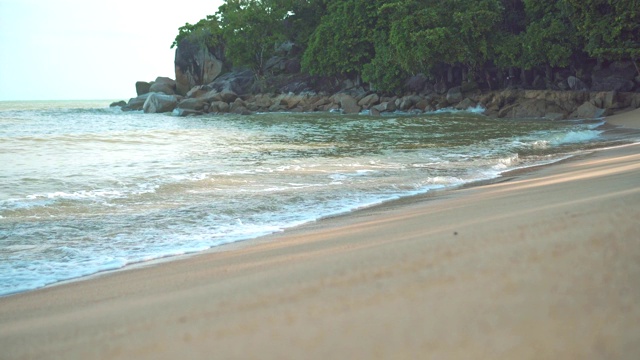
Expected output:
{"points": [[381, 43]]}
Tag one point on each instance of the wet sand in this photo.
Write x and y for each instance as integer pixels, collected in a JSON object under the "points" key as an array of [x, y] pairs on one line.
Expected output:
{"points": [[543, 265]]}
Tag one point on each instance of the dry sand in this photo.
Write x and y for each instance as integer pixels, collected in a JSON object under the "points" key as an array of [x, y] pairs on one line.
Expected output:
{"points": [[545, 265]]}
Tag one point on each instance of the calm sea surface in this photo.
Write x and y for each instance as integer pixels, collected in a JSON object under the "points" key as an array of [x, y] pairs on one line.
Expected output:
{"points": [[86, 188]]}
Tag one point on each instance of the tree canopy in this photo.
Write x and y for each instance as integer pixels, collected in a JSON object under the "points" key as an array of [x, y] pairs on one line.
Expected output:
{"points": [[381, 41]]}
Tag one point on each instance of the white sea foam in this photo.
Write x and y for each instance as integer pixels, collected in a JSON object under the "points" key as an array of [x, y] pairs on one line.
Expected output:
{"points": [[149, 186], [578, 136]]}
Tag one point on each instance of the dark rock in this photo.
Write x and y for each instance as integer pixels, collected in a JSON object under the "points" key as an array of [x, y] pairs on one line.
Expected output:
{"points": [[239, 82], [159, 103], [427, 89], [163, 85], [295, 87], [228, 96], [454, 95], [263, 101], [387, 106], [416, 83], [369, 100], [466, 104], [634, 102], [576, 84], [562, 85], [612, 83], [624, 68], [196, 64], [587, 111], [136, 103], [275, 64], [405, 103], [239, 107], [276, 108], [192, 104], [469, 86], [290, 101], [241, 110], [198, 91], [440, 87], [605, 100], [529, 108], [120, 103], [424, 105], [349, 105], [320, 103], [539, 83], [142, 87], [219, 106], [292, 66], [618, 76]]}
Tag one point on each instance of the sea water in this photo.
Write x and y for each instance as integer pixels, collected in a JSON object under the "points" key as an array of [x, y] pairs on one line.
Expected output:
{"points": [[86, 188]]}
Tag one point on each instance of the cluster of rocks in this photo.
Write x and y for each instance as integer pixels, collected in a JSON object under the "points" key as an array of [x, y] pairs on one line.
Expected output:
{"points": [[603, 92], [231, 95]]}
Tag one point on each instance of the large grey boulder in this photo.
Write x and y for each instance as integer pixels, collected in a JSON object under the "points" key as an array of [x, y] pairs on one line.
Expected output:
{"points": [[192, 104], [466, 104], [120, 104], [348, 103], [136, 103], [142, 87], [196, 64], [587, 111], [163, 85], [240, 82], [369, 100], [532, 108], [619, 76], [404, 103], [416, 83], [159, 103], [386, 106], [604, 100]]}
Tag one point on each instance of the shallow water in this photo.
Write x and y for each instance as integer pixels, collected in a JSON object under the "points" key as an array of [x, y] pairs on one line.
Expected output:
{"points": [[86, 188]]}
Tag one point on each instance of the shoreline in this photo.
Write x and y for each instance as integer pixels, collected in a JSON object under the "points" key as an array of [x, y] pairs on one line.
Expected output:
{"points": [[537, 265], [629, 120], [433, 194]]}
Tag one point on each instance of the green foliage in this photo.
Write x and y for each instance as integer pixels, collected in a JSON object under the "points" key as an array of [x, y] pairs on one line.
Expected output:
{"points": [[342, 43], [550, 37], [205, 32], [383, 41], [252, 29], [303, 19], [383, 72], [427, 33], [610, 29]]}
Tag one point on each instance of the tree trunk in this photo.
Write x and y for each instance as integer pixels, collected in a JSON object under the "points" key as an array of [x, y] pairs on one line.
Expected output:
{"points": [[548, 73], [512, 76], [523, 77]]}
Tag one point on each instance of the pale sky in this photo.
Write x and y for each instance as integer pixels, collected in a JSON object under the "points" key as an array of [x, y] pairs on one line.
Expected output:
{"points": [[89, 49]]}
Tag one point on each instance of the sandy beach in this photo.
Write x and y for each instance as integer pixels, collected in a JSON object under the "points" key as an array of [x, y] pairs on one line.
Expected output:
{"points": [[543, 264]]}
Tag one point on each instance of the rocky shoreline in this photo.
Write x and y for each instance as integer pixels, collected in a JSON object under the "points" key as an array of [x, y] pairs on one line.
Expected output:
{"points": [[518, 104], [610, 90]]}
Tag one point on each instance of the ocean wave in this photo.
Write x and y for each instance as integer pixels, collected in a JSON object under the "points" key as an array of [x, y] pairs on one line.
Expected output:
{"points": [[136, 187], [577, 136]]}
